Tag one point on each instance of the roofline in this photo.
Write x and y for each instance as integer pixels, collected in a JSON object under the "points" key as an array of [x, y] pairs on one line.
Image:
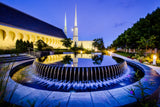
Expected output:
{"points": [[4, 24], [29, 15]]}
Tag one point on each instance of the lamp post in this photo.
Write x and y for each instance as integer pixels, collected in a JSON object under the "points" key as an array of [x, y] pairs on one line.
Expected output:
{"points": [[154, 59]]}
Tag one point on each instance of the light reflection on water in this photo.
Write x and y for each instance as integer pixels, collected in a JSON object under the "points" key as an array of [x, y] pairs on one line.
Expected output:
{"points": [[79, 60]]}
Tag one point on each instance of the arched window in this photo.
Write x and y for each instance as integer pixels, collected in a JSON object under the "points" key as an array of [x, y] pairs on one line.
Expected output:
{"points": [[38, 38], [28, 37], [43, 39], [2, 34], [12, 35], [20, 36], [46, 40], [50, 41], [33, 38]]}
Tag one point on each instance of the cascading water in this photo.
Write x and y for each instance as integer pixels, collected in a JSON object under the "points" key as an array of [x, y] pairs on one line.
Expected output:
{"points": [[88, 72], [84, 72]]}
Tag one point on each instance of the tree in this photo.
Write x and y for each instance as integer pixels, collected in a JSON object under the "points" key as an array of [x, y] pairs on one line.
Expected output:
{"points": [[97, 59], [145, 43], [40, 44], [98, 43], [81, 47], [144, 34], [142, 43], [23, 46], [67, 59], [75, 48], [17, 44], [67, 42], [31, 46], [75, 45]]}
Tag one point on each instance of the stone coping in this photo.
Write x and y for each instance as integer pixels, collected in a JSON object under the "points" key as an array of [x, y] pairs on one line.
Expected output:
{"points": [[24, 95]]}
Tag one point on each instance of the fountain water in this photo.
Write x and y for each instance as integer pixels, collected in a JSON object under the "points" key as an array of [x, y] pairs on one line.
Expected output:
{"points": [[81, 75]]}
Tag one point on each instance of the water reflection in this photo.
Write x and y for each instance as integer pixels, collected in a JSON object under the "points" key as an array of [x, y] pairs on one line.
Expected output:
{"points": [[75, 60], [78, 60], [22, 75], [67, 59], [118, 60], [42, 59], [97, 59]]}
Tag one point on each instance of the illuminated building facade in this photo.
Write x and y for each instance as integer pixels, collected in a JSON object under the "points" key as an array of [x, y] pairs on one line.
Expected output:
{"points": [[84, 44], [16, 25]]}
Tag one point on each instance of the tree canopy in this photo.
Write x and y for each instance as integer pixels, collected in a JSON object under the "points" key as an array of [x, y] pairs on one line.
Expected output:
{"points": [[98, 43], [42, 46], [145, 33], [67, 42], [22, 46]]}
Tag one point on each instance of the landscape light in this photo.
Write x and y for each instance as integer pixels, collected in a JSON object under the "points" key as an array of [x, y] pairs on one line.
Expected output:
{"points": [[110, 53], [154, 59]]}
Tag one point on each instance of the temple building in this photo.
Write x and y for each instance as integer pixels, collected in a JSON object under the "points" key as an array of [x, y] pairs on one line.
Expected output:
{"points": [[84, 44], [16, 25]]}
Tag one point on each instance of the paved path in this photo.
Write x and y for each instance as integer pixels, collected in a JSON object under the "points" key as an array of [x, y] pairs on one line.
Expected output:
{"points": [[9, 55], [157, 69], [9, 58]]}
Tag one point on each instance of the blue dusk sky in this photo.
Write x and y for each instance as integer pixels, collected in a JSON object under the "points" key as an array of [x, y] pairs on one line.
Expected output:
{"points": [[96, 18]]}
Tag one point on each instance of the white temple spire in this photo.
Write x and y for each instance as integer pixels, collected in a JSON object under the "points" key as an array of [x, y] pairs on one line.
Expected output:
{"points": [[75, 20], [75, 29], [65, 25]]}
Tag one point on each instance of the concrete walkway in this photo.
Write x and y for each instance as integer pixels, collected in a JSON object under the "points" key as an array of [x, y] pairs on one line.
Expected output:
{"points": [[9, 55], [157, 69]]}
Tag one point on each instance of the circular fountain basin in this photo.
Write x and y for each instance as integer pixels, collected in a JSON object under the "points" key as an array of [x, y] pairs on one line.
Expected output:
{"points": [[80, 68], [107, 97], [82, 72]]}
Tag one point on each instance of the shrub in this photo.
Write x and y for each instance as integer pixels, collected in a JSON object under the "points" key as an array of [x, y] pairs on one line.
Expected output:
{"points": [[42, 46], [22, 46]]}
